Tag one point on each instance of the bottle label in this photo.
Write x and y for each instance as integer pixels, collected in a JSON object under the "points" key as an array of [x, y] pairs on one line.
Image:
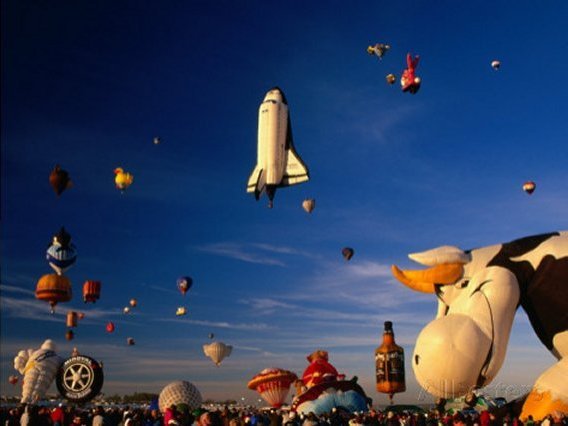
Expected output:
{"points": [[390, 367]]}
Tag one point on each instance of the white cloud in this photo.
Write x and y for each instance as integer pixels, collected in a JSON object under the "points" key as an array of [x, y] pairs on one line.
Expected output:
{"points": [[240, 252]]}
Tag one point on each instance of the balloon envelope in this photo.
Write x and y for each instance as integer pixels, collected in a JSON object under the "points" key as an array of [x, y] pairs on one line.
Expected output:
{"points": [[217, 351], [347, 253], [529, 187], [59, 180], [122, 179], [110, 327], [91, 291], [309, 205], [180, 392], [273, 385], [53, 288], [39, 368], [184, 284]]}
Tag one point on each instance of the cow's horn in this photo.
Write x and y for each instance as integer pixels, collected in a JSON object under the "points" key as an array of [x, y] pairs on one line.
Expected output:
{"points": [[424, 280], [443, 254]]}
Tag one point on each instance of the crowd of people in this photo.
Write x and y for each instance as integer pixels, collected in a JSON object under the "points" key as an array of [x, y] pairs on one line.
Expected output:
{"points": [[33, 415]]}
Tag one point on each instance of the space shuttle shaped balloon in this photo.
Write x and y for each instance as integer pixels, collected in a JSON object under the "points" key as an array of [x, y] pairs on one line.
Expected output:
{"points": [[39, 368], [278, 164]]}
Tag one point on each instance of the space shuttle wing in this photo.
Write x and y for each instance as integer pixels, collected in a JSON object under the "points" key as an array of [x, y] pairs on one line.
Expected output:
{"points": [[296, 171], [257, 181]]}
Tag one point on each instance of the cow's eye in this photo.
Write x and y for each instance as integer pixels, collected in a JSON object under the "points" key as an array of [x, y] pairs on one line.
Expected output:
{"points": [[463, 284]]}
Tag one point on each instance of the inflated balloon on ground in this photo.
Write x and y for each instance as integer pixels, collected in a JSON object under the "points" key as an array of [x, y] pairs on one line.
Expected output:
{"points": [[180, 392]]}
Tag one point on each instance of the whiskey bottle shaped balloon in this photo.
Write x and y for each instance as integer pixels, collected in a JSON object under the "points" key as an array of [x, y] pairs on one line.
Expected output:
{"points": [[389, 365]]}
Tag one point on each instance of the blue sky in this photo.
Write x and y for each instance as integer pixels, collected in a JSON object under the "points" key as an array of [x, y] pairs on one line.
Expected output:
{"points": [[89, 84]]}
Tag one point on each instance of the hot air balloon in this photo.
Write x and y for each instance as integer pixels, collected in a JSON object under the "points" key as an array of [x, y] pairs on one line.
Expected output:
{"points": [[389, 364], [126, 309], [69, 335], [122, 179], [130, 341], [71, 319], [133, 302], [217, 351], [309, 205], [409, 81], [180, 392], [110, 327], [378, 50], [54, 289], [184, 284], [181, 311], [273, 385], [80, 315], [529, 187], [157, 140], [13, 380], [59, 180], [347, 253], [61, 254], [91, 291], [211, 336], [495, 64], [391, 78], [39, 368]]}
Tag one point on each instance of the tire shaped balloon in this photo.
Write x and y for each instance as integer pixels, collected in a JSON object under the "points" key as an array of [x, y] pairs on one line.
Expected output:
{"points": [[80, 379]]}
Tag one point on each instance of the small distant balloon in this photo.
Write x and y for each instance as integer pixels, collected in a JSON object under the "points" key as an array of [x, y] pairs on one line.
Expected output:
{"points": [[309, 204], [110, 327], [391, 79], [181, 311], [378, 50], [91, 291], [122, 179], [529, 187], [69, 335], [126, 309], [495, 65], [59, 180], [80, 315], [347, 253], [409, 81], [157, 140], [184, 284], [211, 336], [130, 341], [71, 319], [133, 302], [13, 380]]}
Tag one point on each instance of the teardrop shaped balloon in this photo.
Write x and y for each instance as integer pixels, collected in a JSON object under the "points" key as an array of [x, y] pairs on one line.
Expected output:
{"points": [[495, 64], [391, 79], [13, 380], [309, 205], [217, 351], [110, 327], [133, 303], [347, 253], [59, 180], [130, 341], [69, 335], [529, 187], [184, 284]]}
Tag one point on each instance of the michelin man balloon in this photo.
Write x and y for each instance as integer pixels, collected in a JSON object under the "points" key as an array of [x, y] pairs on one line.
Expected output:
{"points": [[39, 368]]}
